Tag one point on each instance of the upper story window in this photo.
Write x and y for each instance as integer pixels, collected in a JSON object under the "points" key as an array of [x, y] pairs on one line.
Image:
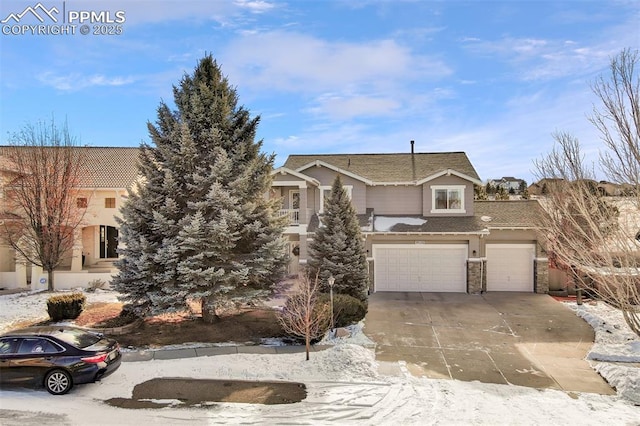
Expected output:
{"points": [[81, 203], [109, 203], [448, 199], [325, 193]]}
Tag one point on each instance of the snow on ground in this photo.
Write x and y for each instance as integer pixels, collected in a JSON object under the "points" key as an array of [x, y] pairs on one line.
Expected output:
{"points": [[343, 384]]}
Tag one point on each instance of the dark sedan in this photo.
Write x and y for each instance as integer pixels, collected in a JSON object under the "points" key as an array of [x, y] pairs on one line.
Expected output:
{"points": [[56, 357]]}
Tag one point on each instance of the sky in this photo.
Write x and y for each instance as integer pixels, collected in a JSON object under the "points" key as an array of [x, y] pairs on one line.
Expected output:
{"points": [[345, 386], [495, 79]]}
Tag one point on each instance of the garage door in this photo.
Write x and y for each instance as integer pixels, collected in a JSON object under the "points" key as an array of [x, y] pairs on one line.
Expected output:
{"points": [[427, 267], [510, 267]]}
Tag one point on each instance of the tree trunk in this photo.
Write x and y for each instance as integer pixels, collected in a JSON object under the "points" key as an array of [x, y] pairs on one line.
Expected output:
{"points": [[209, 310], [307, 344], [50, 280]]}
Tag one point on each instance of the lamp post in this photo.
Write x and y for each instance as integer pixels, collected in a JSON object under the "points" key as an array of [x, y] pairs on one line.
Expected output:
{"points": [[331, 281]]}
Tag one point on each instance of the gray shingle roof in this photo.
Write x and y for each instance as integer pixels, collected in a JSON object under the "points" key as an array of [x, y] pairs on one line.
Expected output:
{"points": [[391, 167], [508, 214]]}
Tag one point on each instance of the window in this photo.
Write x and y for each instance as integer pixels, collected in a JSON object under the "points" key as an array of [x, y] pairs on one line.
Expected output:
{"points": [[110, 203], [448, 199], [294, 199], [325, 193], [82, 203]]}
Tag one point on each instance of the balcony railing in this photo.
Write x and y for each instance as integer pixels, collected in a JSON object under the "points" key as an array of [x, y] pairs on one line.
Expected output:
{"points": [[292, 214]]}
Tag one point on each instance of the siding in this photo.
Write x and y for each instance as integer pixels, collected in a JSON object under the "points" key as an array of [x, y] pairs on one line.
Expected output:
{"points": [[327, 176], [395, 200], [447, 180]]}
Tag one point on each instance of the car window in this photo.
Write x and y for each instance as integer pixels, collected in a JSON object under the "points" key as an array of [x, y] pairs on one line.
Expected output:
{"points": [[78, 338], [8, 345], [37, 346]]}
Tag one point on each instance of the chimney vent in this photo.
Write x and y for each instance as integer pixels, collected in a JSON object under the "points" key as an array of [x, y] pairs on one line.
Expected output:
{"points": [[412, 143]]}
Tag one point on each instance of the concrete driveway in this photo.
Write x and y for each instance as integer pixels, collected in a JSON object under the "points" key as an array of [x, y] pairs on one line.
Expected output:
{"points": [[507, 338]]}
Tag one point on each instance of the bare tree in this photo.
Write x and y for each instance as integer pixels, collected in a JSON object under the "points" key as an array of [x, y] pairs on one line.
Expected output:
{"points": [[42, 203], [594, 238], [304, 316]]}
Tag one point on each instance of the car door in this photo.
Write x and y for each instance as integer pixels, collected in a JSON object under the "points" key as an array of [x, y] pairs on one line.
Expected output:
{"points": [[8, 348], [34, 357]]}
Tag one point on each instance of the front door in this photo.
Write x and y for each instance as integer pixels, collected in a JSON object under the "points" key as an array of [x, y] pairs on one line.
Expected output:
{"points": [[108, 242]]}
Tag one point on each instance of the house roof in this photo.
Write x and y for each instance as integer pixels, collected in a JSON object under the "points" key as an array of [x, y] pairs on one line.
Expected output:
{"points": [[382, 168], [112, 167], [522, 214], [508, 214], [107, 167]]}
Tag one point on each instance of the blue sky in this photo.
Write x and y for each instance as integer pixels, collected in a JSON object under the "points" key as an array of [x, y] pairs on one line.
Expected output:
{"points": [[492, 78]]}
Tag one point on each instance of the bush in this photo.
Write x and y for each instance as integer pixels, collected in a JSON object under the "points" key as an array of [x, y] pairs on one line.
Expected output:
{"points": [[66, 306], [347, 309], [95, 285]]}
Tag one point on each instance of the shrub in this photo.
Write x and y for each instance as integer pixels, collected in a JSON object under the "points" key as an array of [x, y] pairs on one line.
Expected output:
{"points": [[347, 309], [96, 284], [66, 306]]}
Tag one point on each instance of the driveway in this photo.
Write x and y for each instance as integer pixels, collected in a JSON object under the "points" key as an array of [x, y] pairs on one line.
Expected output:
{"points": [[506, 338]]}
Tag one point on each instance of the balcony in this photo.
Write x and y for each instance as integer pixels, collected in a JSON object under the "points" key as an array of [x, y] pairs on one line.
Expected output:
{"points": [[292, 214]]}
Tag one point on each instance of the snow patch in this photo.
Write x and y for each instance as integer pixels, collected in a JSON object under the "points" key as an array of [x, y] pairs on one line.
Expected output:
{"points": [[385, 223]]}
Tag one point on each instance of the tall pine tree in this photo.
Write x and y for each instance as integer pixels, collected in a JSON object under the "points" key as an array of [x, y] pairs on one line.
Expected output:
{"points": [[338, 249], [197, 225]]}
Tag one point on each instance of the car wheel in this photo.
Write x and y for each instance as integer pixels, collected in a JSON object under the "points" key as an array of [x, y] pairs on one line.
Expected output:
{"points": [[58, 382]]}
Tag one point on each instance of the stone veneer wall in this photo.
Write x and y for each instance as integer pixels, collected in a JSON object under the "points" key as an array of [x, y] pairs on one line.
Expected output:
{"points": [[476, 275], [541, 278]]}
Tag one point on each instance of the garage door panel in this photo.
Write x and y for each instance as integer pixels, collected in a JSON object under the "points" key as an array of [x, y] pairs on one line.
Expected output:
{"points": [[420, 268], [510, 267]]}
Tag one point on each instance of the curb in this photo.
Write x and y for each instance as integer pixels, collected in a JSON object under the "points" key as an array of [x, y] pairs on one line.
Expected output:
{"points": [[164, 354]]}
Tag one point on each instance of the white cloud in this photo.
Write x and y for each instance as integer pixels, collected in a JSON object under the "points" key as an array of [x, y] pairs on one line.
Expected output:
{"points": [[256, 6], [294, 62], [345, 107], [75, 82]]}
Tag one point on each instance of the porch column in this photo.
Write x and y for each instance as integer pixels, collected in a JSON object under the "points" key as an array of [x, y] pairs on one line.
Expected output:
{"points": [[541, 277], [76, 256], [302, 214]]}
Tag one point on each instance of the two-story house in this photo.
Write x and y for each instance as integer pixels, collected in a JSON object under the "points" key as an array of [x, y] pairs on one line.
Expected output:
{"points": [[423, 230], [109, 172]]}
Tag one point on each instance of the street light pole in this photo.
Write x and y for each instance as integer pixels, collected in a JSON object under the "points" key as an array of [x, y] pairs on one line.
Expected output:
{"points": [[331, 281]]}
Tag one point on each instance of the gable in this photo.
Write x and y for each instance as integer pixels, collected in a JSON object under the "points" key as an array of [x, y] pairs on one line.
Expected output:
{"points": [[381, 169]]}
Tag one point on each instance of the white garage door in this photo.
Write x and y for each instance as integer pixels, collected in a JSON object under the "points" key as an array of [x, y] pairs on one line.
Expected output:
{"points": [[415, 267], [510, 267]]}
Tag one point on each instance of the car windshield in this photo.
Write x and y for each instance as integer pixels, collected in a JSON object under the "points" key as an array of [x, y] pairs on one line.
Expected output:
{"points": [[78, 338]]}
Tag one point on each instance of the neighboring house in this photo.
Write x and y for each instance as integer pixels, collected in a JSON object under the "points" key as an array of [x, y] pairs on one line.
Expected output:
{"points": [[510, 184], [110, 172], [422, 229]]}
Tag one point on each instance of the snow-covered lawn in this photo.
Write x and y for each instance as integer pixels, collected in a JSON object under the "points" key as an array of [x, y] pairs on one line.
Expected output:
{"points": [[343, 383]]}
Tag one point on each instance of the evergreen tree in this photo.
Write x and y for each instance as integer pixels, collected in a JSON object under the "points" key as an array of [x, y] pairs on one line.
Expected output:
{"points": [[197, 225], [338, 249], [501, 194]]}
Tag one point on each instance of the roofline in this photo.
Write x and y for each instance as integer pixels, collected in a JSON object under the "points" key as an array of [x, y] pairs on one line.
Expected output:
{"points": [[449, 172], [283, 170], [320, 163], [483, 232]]}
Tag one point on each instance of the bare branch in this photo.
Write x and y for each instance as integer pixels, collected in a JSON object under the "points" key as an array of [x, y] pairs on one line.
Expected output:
{"points": [[304, 316], [47, 169]]}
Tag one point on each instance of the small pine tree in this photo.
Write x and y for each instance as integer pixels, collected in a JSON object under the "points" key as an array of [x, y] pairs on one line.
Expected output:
{"points": [[502, 194], [338, 249], [525, 194], [490, 189], [480, 193], [198, 226]]}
